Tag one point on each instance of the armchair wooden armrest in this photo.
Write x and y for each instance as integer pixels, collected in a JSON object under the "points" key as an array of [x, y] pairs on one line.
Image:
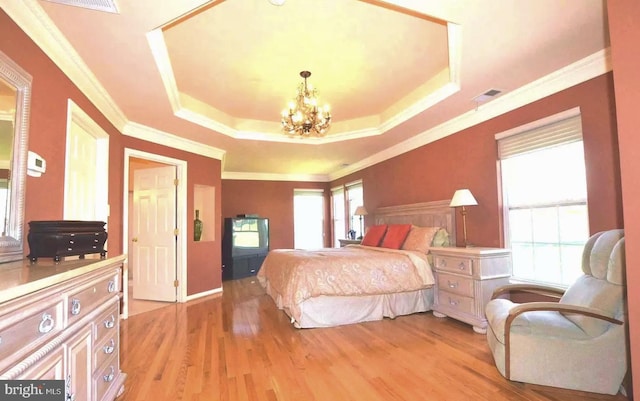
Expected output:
{"points": [[545, 306], [532, 288], [553, 306]]}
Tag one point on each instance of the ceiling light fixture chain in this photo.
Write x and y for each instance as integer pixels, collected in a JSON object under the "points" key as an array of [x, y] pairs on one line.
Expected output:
{"points": [[303, 117]]}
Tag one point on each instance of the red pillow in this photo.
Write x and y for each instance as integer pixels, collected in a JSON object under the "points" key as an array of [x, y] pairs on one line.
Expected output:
{"points": [[374, 235], [395, 236]]}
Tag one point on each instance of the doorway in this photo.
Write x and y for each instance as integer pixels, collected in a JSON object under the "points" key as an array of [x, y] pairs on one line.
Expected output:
{"points": [[147, 173]]}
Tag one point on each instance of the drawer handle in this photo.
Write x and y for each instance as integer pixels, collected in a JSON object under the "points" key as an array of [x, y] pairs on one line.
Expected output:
{"points": [[443, 262], [109, 323], [75, 306], [461, 266], [108, 349], [47, 323], [110, 376], [112, 286], [452, 285], [453, 302]]}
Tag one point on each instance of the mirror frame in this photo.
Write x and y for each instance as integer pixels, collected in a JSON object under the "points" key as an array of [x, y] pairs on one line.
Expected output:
{"points": [[12, 245]]}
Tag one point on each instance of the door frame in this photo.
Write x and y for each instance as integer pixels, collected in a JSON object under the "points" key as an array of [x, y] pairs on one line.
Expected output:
{"points": [[181, 219]]}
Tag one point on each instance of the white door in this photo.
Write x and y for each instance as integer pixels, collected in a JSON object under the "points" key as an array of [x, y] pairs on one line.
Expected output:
{"points": [[154, 238]]}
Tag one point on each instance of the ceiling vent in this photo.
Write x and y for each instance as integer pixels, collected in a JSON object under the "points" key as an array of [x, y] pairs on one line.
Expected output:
{"points": [[488, 95], [109, 6]]}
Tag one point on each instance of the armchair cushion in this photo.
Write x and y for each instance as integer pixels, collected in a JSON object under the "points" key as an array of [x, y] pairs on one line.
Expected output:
{"points": [[538, 323], [593, 293], [601, 285]]}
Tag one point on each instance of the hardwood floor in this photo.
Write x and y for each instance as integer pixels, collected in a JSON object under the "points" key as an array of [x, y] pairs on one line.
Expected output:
{"points": [[238, 346]]}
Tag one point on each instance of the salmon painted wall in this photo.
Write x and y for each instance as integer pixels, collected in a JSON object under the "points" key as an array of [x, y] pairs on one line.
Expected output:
{"points": [[271, 199], [625, 36], [468, 159], [45, 195], [47, 131]]}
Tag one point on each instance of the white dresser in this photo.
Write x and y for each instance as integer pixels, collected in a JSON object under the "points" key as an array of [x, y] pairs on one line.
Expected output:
{"points": [[62, 321], [465, 280]]}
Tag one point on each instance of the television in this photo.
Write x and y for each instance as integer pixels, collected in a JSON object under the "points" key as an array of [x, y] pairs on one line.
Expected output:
{"points": [[247, 236]]}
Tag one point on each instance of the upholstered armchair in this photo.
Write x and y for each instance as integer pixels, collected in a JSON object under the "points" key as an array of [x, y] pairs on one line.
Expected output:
{"points": [[577, 343]]}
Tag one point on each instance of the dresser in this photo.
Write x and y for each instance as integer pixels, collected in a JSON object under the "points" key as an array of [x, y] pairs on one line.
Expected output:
{"points": [[62, 321], [465, 281]]}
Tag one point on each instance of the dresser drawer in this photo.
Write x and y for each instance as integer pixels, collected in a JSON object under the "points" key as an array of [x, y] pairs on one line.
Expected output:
{"points": [[453, 264], [85, 299], [105, 376], [22, 331], [103, 351], [456, 302], [456, 284], [107, 323]]}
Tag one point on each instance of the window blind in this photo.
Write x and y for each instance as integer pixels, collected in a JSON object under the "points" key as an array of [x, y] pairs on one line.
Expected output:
{"points": [[558, 133]]}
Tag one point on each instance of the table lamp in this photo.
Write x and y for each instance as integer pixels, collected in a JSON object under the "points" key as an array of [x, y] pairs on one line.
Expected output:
{"points": [[462, 198]]}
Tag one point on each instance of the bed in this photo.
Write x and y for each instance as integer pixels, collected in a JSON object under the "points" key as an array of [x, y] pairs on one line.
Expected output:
{"points": [[359, 283]]}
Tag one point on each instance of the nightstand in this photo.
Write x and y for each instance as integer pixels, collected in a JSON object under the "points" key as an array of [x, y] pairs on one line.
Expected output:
{"points": [[344, 242], [465, 280]]}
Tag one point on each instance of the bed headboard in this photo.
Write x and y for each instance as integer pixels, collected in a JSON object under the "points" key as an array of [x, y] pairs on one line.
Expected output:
{"points": [[425, 214]]}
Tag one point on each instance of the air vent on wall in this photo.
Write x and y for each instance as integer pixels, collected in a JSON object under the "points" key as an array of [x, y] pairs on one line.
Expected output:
{"points": [[488, 95], [109, 6]]}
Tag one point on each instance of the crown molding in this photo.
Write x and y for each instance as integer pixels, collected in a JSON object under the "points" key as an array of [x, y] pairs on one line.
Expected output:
{"points": [[164, 138], [275, 177], [592, 66], [271, 131], [33, 20]]}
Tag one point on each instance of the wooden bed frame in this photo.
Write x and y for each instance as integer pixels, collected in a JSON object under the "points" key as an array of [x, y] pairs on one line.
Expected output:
{"points": [[425, 214]]}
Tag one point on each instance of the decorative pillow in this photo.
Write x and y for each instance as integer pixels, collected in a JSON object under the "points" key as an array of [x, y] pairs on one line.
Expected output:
{"points": [[395, 235], [374, 235], [441, 238], [420, 239]]}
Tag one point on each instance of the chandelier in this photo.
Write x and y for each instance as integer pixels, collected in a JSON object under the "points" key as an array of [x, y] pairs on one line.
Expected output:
{"points": [[303, 117]]}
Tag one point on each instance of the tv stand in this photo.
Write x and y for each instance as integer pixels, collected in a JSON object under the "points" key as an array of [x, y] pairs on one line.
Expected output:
{"points": [[242, 266]]}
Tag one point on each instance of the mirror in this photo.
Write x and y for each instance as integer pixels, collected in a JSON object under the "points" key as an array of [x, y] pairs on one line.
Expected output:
{"points": [[15, 95]]}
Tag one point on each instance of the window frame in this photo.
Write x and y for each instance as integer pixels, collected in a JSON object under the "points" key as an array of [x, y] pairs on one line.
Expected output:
{"points": [[350, 220], [523, 130]]}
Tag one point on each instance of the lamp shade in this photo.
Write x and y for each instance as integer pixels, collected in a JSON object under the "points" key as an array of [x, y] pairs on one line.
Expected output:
{"points": [[360, 211], [463, 197]]}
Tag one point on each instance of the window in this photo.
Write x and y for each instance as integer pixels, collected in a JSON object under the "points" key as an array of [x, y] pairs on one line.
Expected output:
{"points": [[545, 199], [338, 215], [308, 219], [354, 199], [344, 202]]}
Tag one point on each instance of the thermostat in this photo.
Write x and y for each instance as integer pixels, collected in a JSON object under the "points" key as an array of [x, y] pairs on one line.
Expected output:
{"points": [[36, 165]]}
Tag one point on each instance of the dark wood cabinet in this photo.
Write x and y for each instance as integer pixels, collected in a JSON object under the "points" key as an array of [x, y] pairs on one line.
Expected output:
{"points": [[58, 238], [242, 266]]}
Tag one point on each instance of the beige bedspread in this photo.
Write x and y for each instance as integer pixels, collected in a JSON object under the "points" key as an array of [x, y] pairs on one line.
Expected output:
{"points": [[297, 275]]}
